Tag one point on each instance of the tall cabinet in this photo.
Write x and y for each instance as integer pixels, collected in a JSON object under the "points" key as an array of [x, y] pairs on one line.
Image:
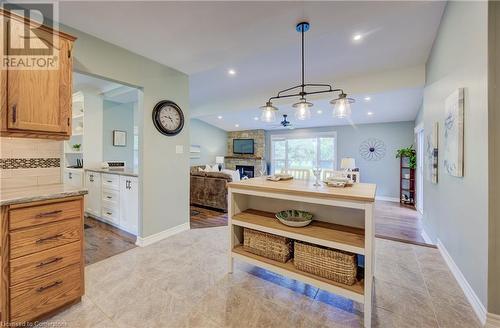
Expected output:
{"points": [[35, 102]]}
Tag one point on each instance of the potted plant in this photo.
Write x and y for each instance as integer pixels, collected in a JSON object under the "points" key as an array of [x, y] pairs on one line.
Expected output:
{"points": [[77, 147], [409, 153]]}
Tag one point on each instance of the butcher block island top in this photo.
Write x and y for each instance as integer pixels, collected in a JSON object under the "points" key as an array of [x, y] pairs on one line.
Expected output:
{"points": [[357, 192]]}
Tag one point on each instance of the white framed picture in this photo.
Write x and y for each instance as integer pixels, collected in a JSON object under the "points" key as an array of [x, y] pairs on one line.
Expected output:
{"points": [[119, 138], [453, 154]]}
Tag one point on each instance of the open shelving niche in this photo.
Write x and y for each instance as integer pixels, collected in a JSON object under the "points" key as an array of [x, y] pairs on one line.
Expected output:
{"points": [[78, 114], [340, 224]]}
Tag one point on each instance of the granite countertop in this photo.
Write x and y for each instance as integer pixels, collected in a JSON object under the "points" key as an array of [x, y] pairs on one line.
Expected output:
{"points": [[126, 171], [9, 196]]}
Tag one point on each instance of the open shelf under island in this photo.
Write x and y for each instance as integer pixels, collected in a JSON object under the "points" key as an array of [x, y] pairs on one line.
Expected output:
{"points": [[343, 221]]}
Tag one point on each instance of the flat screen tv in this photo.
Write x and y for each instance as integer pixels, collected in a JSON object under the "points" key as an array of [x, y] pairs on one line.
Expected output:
{"points": [[243, 146]]}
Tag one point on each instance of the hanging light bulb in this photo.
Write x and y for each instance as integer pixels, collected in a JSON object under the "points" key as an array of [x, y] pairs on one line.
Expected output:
{"points": [[268, 114], [302, 109], [342, 106]]}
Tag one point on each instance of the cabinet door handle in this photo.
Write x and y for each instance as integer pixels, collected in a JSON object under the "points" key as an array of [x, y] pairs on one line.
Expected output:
{"points": [[70, 175], [14, 113], [109, 197], [109, 213], [43, 288], [109, 181], [54, 260], [42, 240], [45, 214]]}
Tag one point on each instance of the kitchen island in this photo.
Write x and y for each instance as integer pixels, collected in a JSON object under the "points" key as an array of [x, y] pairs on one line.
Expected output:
{"points": [[343, 220]]}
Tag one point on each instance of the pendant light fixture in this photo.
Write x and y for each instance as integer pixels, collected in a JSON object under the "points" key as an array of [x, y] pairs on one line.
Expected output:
{"points": [[341, 105], [268, 113]]}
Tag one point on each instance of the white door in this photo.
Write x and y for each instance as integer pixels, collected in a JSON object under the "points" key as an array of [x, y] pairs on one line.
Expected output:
{"points": [[93, 198], [420, 170], [129, 204]]}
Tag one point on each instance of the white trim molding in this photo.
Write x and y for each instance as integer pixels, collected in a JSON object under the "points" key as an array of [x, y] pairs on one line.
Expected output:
{"points": [[426, 237], [387, 199], [492, 320], [146, 241], [474, 301]]}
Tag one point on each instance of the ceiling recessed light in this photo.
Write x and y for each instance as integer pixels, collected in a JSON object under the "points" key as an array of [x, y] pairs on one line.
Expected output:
{"points": [[256, 118], [368, 98], [219, 117], [369, 113], [231, 72], [236, 125], [357, 37], [319, 111]]}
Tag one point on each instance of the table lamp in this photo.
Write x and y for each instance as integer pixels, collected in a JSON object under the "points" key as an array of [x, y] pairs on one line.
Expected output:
{"points": [[348, 164], [219, 160]]}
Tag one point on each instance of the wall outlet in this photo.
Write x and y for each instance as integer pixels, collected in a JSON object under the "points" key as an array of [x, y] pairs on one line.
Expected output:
{"points": [[179, 149]]}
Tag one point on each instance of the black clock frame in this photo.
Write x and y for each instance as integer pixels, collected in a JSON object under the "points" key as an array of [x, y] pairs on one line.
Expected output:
{"points": [[156, 117]]}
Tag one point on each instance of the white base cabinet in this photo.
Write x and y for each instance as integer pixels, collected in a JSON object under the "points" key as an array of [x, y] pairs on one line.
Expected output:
{"points": [[93, 198], [73, 177], [129, 206], [118, 198]]}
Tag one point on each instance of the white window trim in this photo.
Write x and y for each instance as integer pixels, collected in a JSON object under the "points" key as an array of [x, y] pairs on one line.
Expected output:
{"points": [[303, 135]]}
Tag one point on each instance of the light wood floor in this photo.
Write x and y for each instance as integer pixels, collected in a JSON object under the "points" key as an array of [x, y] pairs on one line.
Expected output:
{"points": [[392, 221]]}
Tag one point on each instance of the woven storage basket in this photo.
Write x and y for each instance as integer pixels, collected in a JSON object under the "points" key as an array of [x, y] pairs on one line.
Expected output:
{"points": [[325, 262], [267, 245]]}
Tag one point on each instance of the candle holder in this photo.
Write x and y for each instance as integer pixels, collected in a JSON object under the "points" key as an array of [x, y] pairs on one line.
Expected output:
{"points": [[317, 175]]}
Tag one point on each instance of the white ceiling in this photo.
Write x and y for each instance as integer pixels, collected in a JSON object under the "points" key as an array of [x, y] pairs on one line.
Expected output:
{"points": [[393, 106], [110, 90], [258, 40]]}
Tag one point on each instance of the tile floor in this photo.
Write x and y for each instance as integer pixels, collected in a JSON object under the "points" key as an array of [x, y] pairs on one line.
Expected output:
{"points": [[182, 282]]}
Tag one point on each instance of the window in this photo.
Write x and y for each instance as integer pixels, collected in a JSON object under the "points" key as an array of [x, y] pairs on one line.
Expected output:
{"points": [[303, 152]]}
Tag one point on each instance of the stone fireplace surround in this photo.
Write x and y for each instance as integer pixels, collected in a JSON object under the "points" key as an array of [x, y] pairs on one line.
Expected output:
{"points": [[256, 160]]}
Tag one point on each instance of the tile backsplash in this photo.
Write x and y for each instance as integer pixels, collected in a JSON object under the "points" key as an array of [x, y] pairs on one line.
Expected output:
{"points": [[29, 162]]}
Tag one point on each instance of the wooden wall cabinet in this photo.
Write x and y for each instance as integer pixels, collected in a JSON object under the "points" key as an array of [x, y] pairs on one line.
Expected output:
{"points": [[42, 259], [36, 103]]}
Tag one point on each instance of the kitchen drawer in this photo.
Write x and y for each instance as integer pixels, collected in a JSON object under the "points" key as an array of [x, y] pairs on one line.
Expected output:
{"points": [[110, 212], [41, 263], [41, 214], [40, 238], [111, 181], [111, 195], [31, 299]]}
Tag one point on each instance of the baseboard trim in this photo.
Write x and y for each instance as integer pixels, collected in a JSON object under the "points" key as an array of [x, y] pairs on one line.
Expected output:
{"points": [[471, 296], [492, 320], [387, 199], [143, 242], [426, 237]]}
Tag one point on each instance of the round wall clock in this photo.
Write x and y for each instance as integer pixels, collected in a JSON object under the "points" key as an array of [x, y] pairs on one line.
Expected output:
{"points": [[168, 118], [372, 149]]}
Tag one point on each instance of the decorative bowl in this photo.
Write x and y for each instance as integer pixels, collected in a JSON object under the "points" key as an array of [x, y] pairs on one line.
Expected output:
{"points": [[294, 218]]}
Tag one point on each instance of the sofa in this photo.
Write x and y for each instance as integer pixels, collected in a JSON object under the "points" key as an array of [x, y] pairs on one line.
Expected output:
{"points": [[209, 188]]}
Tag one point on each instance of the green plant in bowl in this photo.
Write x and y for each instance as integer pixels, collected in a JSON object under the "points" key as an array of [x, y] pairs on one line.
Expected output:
{"points": [[294, 218]]}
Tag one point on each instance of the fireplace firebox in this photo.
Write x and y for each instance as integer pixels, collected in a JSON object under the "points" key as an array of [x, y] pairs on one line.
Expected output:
{"points": [[245, 171]]}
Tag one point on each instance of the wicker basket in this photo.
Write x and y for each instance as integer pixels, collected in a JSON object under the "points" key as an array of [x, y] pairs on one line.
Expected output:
{"points": [[325, 262], [267, 245]]}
